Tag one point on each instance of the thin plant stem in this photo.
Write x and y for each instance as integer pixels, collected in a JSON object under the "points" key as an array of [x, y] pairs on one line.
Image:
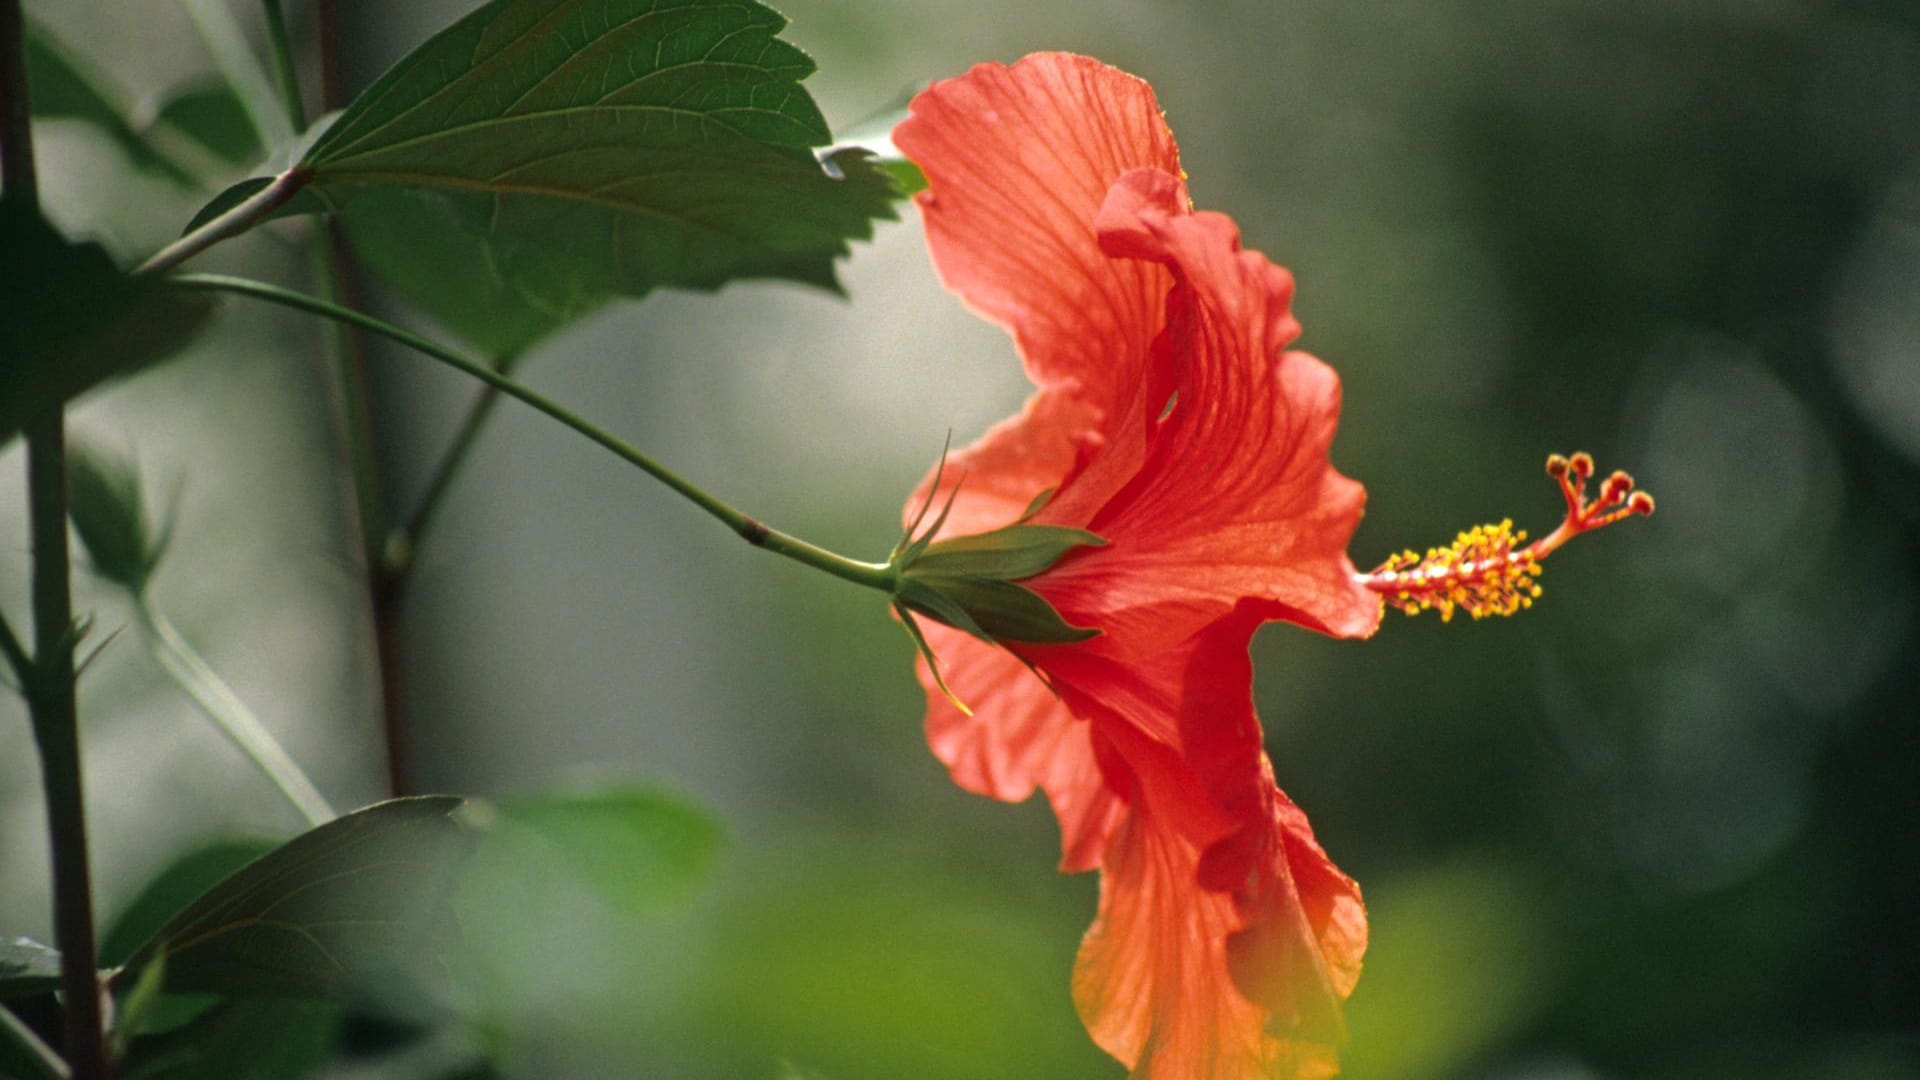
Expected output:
{"points": [[230, 714], [286, 74], [237, 219], [56, 724], [19, 180], [215, 21], [33, 1048], [872, 575], [402, 546], [49, 688], [355, 412], [331, 267]]}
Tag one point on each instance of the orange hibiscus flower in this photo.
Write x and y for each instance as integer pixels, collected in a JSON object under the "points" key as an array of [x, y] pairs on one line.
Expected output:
{"points": [[1101, 562], [1173, 426]]}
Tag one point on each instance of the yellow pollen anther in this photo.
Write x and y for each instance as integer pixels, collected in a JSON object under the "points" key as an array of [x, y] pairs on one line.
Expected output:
{"points": [[1485, 571], [1490, 569]]}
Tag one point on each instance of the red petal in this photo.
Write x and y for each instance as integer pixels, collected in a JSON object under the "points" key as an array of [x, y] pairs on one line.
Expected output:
{"points": [[1236, 497], [1019, 737], [1151, 981], [998, 476], [1018, 161], [1227, 940]]}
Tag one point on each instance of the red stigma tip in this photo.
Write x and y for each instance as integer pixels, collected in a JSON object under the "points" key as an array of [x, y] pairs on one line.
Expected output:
{"points": [[1490, 570]]}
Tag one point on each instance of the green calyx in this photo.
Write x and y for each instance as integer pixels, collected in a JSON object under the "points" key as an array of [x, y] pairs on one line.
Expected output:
{"points": [[972, 583]]}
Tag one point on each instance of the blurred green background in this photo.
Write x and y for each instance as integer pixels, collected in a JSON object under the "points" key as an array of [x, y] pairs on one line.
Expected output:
{"points": [[1662, 826]]}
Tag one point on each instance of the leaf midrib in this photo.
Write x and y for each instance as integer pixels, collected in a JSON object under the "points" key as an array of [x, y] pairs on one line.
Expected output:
{"points": [[431, 180]]}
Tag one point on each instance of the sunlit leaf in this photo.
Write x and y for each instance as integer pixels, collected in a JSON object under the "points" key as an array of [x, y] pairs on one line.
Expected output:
{"points": [[61, 84], [355, 911], [27, 968], [874, 135], [69, 319], [541, 157], [639, 850]]}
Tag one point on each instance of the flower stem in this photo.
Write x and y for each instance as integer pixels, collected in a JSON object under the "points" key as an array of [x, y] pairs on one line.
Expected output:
{"points": [[50, 688], [872, 575], [224, 707]]}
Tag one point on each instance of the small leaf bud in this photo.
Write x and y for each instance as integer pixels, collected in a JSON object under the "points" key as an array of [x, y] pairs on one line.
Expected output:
{"points": [[109, 515]]}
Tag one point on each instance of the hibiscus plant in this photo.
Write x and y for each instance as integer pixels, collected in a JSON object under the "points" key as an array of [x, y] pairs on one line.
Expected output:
{"points": [[1080, 585]]}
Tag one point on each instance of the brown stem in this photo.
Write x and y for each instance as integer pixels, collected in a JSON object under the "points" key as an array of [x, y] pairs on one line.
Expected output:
{"points": [[18, 180], [56, 726], [50, 689], [336, 280]]}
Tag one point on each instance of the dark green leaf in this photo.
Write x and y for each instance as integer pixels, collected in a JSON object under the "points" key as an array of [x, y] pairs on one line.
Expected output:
{"points": [[639, 850], [543, 156], [27, 968], [60, 84], [168, 893], [257, 1039], [212, 115], [355, 910], [69, 319]]}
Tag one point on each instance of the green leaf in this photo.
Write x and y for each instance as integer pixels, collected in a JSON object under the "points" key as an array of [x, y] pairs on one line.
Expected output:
{"points": [[256, 1039], [27, 968], [354, 911], [170, 891], [641, 851], [213, 116], [541, 157], [69, 319], [140, 1004], [61, 84]]}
